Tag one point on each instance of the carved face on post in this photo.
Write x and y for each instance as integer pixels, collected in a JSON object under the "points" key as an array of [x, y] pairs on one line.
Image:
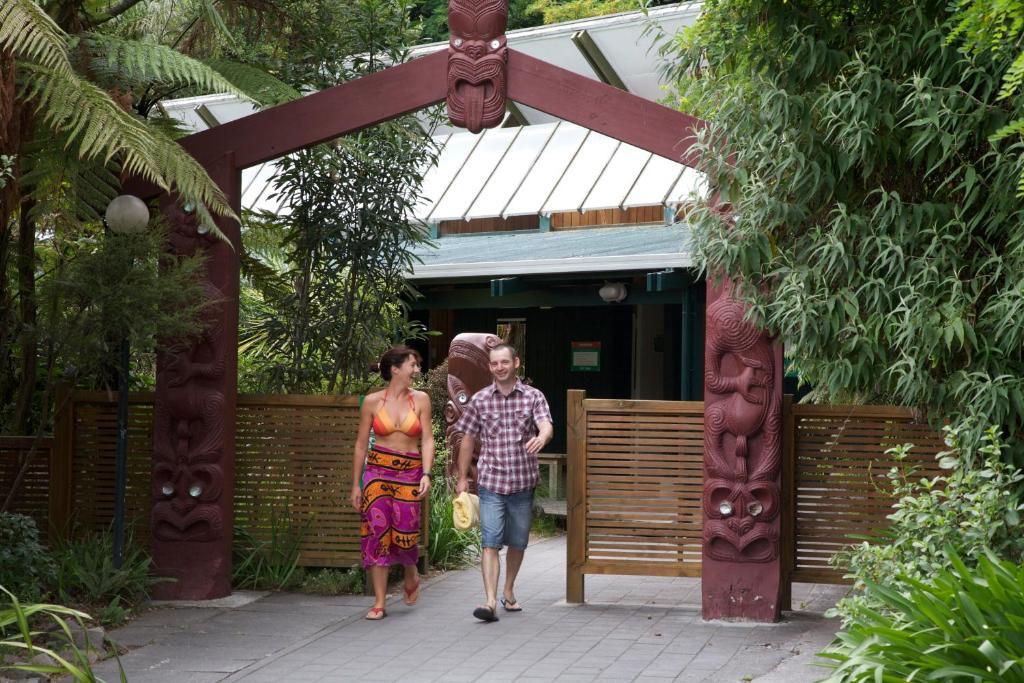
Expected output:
{"points": [[468, 373], [477, 58]]}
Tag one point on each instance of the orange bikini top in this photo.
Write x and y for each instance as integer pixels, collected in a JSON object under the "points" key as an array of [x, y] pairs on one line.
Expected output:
{"points": [[383, 426]]}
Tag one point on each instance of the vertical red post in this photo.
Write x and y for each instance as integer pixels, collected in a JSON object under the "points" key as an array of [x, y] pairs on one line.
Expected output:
{"points": [[742, 568], [194, 429]]}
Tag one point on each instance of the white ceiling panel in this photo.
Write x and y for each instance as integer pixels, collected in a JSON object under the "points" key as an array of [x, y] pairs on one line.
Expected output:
{"points": [[475, 172], [582, 173], [550, 166], [691, 184], [511, 172], [454, 153], [618, 177], [656, 180]]}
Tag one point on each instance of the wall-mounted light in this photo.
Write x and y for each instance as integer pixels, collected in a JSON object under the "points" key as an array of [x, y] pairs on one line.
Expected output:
{"points": [[613, 292]]}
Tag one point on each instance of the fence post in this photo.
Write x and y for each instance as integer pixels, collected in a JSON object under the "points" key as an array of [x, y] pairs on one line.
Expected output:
{"points": [[788, 547], [576, 496], [61, 464]]}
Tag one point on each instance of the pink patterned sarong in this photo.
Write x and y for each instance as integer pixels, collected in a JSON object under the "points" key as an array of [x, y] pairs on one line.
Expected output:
{"points": [[390, 530]]}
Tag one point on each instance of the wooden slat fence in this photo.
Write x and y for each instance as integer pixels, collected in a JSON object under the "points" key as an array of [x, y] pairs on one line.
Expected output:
{"points": [[33, 495], [635, 476], [293, 464], [634, 482], [837, 478]]}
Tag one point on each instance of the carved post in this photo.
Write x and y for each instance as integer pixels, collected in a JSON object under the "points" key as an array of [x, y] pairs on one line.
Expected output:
{"points": [[477, 63], [468, 372], [194, 426], [741, 573]]}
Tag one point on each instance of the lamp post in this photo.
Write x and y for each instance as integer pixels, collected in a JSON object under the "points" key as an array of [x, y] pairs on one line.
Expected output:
{"points": [[125, 215]]}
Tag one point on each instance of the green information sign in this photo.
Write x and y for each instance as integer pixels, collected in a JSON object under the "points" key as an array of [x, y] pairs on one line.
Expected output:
{"points": [[585, 356]]}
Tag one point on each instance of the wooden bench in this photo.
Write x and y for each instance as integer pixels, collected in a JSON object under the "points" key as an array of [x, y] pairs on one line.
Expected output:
{"points": [[556, 464]]}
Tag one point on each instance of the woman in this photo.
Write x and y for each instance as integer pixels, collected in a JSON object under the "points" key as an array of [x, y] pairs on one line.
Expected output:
{"points": [[397, 475]]}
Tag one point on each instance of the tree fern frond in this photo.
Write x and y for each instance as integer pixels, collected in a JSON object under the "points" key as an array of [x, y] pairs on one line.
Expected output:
{"points": [[259, 85], [144, 62], [97, 129], [29, 33]]}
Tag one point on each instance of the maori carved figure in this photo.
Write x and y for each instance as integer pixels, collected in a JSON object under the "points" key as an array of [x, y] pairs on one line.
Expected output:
{"points": [[468, 373], [741, 488], [477, 63], [191, 487]]}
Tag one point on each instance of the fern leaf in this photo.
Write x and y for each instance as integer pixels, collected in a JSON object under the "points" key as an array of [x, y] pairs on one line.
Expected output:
{"points": [[144, 62], [29, 33], [98, 129], [259, 85]]}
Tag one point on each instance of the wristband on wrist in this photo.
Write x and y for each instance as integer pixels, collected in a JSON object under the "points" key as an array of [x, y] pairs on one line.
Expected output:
{"points": [[428, 476]]}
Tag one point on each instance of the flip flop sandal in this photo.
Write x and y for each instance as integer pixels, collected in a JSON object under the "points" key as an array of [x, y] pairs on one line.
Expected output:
{"points": [[376, 614], [484, 613], [511, 605], [412, 596]]}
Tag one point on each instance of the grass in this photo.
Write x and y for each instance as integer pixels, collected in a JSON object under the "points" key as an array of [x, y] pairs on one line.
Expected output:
{"points": [[271, 563]]}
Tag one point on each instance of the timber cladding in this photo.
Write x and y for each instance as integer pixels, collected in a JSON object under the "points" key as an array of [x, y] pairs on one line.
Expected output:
{"points": [[293, 465]]}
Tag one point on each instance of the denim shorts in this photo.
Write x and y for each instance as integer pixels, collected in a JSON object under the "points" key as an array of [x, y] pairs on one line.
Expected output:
{"points": [[505, 519]]}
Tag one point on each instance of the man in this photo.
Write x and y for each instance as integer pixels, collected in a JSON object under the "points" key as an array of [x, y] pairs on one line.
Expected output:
{"points": [[512, 422]]}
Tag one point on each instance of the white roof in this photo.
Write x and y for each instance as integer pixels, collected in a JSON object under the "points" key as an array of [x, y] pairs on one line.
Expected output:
{"points": [[549, 166]]}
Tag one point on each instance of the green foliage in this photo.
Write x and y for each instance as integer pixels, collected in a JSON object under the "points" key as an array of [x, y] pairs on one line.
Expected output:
{"points": [[995, 27], [433, 16], [348, 241], [963, 623], [270, 563], [27, 569], [106, 286], [554, 11], [435, 383], [20, 641], [851, 144], [448, 547], [330, 581], [973, 510], [86, 574]]}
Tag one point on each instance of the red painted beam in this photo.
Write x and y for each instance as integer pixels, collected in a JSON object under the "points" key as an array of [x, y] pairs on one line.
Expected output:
{"points": [[594, 105], [325, 115]]}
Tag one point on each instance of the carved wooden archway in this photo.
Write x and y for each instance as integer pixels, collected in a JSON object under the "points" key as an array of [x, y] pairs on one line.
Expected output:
{"points": [[196, 391]]}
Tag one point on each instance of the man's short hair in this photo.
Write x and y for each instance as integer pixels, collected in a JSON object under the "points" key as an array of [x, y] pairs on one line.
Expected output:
{"points": [[502, 346]]}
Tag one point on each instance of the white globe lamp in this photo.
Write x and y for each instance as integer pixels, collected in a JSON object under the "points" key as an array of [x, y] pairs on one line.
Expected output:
{"points": [[127, 214]]}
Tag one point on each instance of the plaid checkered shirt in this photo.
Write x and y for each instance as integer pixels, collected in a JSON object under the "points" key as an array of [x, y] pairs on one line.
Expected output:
{"points": [[502, 425]]}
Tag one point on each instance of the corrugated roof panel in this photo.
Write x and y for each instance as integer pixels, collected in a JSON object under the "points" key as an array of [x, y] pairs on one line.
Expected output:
{"points": [[579, 178], [506, 179], [656, 180], [471, 178], [436, 180], [531, 195], [257, 186], [618, 177]]}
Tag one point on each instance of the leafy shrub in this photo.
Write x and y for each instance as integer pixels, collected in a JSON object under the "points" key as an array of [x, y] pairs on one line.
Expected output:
{"points": [[448, 547], [965, 624], [435, 383], [334, 582], [974, 509], [86, 573], [270, 564], [19, 643], [26, 567]]}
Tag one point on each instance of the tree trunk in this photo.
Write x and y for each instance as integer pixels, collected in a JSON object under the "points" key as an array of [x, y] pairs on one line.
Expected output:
{"points": [[10, 140], [29, 331]]}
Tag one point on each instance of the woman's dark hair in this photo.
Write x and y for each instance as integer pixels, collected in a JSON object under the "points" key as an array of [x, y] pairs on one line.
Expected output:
{"points": [[394, 357]]}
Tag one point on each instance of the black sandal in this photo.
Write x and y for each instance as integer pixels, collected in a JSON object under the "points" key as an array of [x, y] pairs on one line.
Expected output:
{"points": [[485, 613], [514, 605]]}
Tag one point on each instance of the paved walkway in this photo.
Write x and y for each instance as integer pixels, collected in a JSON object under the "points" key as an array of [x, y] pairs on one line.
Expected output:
{"points": [[633, 629]]}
